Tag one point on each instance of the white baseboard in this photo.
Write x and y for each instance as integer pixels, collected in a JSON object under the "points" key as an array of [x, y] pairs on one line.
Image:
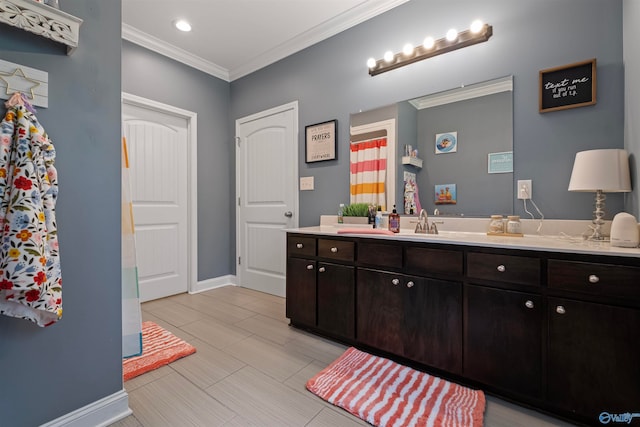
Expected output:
{"points": [[216, 282], [100, 413]]}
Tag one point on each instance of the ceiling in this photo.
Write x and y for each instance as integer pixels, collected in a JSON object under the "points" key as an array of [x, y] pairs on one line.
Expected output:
{"points": [[233, 38]]}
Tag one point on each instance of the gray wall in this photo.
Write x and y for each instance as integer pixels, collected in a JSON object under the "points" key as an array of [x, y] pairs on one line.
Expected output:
{"points": [[156, 77], [484, 126], [632, 98], [49, 372], [330, 81]]}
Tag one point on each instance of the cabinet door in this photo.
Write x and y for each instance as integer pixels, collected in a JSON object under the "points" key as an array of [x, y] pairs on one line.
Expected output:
{"points": [[593, 358], [432, 327], [380, 310], [413, 317], [336, 300], [301, 291], [503, 339]]}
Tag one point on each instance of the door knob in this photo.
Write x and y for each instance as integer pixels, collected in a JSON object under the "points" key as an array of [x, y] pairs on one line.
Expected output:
{"points": [[288, 214]]}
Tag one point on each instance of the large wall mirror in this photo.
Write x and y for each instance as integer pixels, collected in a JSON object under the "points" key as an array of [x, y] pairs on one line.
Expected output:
{"points": [[464, 140]]}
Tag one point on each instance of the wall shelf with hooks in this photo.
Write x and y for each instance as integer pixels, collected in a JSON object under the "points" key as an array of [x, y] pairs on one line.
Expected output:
{"points": [[42, 20]]}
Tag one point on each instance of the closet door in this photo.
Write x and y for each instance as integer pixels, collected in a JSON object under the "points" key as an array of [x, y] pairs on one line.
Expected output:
{"points": [[158, 150]]}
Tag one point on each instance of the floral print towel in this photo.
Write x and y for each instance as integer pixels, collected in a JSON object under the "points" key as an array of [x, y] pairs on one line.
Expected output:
{"points": [[30, 276]]}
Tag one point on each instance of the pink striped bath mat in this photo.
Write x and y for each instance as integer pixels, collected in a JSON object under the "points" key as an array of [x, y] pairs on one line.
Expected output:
{"points": [[384, 393], [159, 347]]}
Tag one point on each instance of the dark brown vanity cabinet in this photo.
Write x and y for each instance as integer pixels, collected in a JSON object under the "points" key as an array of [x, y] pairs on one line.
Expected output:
{"points": [[503, 339], [557, 331], [301, 280], [413, 317], [321, 295], [504, 322], [593, 358], [301, 291], [336, 300], [593, 355]]}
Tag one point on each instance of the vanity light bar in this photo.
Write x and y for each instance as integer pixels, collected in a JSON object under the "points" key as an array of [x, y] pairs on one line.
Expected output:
{"points": [[440, 46]]}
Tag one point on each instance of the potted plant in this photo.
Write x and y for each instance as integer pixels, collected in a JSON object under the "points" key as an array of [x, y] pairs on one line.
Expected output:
{"points": [[356, 213]]}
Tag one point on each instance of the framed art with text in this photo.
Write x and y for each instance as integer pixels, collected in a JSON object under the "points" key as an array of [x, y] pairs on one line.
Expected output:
{"points": [[568, 86], [320, 141]]}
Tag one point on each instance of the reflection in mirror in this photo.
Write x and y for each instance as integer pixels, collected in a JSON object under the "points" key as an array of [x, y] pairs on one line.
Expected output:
{"points": [[464, 140]]}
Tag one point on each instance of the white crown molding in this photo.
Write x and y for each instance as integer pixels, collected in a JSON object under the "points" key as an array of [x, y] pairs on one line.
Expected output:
{"points": [[150, 42], [354, 16], [351, 18], [503, 84]]}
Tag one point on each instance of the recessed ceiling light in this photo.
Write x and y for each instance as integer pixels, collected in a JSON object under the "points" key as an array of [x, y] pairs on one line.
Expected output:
{"points": [[182, 25]]}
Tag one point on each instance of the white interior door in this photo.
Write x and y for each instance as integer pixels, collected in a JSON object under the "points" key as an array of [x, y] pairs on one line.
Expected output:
{"points": [[267, 188], [158, 148]]}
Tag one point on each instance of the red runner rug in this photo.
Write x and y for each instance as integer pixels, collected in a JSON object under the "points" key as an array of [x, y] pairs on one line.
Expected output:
{"points": [[159, 347], [384, 393]]}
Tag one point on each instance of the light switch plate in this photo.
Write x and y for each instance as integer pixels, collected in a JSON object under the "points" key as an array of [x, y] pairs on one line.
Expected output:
{"points": [[306, 183]]}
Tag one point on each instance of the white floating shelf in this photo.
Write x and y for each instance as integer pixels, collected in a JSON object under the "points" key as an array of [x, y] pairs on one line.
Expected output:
{"points": [[413, 161], [42, 20]]}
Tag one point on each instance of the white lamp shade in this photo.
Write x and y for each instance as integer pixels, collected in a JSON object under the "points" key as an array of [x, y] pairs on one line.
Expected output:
{"points": [[606, 170]]}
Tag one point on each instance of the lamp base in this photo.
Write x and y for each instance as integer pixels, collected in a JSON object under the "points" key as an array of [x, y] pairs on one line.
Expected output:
{"points": [[598, 221]]}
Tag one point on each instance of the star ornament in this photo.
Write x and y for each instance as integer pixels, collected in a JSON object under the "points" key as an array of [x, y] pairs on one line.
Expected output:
{"points": [[19, 82]]}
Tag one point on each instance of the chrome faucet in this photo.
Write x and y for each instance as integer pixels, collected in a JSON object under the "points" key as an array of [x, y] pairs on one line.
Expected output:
{"points": [[423, 224]]}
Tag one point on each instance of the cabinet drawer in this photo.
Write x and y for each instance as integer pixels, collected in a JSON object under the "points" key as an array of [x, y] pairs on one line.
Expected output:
{"points": [[336, 249], [426, 260], [305, 246], [379, 254], [593, 278], [504, 268]]}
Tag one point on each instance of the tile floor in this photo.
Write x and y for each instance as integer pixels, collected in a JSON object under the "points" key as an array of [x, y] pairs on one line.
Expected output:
{"points": [[250, 369]]}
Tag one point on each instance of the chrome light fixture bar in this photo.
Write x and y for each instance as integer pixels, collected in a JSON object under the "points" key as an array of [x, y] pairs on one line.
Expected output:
{"points": [[431, 48]]}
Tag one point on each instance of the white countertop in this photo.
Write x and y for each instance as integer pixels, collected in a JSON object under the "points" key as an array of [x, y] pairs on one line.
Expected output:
{"points": [[552, 243]]}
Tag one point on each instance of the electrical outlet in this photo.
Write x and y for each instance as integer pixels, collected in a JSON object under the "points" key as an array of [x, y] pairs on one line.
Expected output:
{"points": [[524, 189]]}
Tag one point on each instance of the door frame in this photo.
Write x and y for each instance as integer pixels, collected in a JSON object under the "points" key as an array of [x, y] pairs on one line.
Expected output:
{"points": [[192, 176], [236, 141]]}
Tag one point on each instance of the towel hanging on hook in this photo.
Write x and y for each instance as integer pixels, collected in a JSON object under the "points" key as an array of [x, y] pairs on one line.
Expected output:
{"points": [[30, 278]]}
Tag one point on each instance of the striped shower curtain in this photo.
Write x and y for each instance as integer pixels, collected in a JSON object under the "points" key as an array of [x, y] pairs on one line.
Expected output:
{"points": [[368, 160], [131, 315]]}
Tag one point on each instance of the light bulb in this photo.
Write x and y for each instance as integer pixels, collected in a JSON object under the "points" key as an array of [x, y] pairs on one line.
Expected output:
{"points": [[388, 56], [428, 43], [476, 26], [452, 34], [182, 25], [407, 49], [371, 62]]}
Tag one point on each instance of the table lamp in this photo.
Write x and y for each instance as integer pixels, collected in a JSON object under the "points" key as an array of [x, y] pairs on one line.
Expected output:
{"points": [[600, 171]]}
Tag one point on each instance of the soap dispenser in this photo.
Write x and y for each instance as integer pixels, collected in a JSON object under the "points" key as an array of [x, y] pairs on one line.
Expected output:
{"points": [[394, 221], [378, 221]]}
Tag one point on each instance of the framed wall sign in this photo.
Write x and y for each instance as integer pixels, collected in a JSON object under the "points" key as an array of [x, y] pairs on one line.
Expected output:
{"points": [[568, 86], [320, 141], [500, 162]]}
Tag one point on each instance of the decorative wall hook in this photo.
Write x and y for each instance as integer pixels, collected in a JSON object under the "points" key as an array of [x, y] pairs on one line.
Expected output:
{"points": [[16, 82], [31, 82]]}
